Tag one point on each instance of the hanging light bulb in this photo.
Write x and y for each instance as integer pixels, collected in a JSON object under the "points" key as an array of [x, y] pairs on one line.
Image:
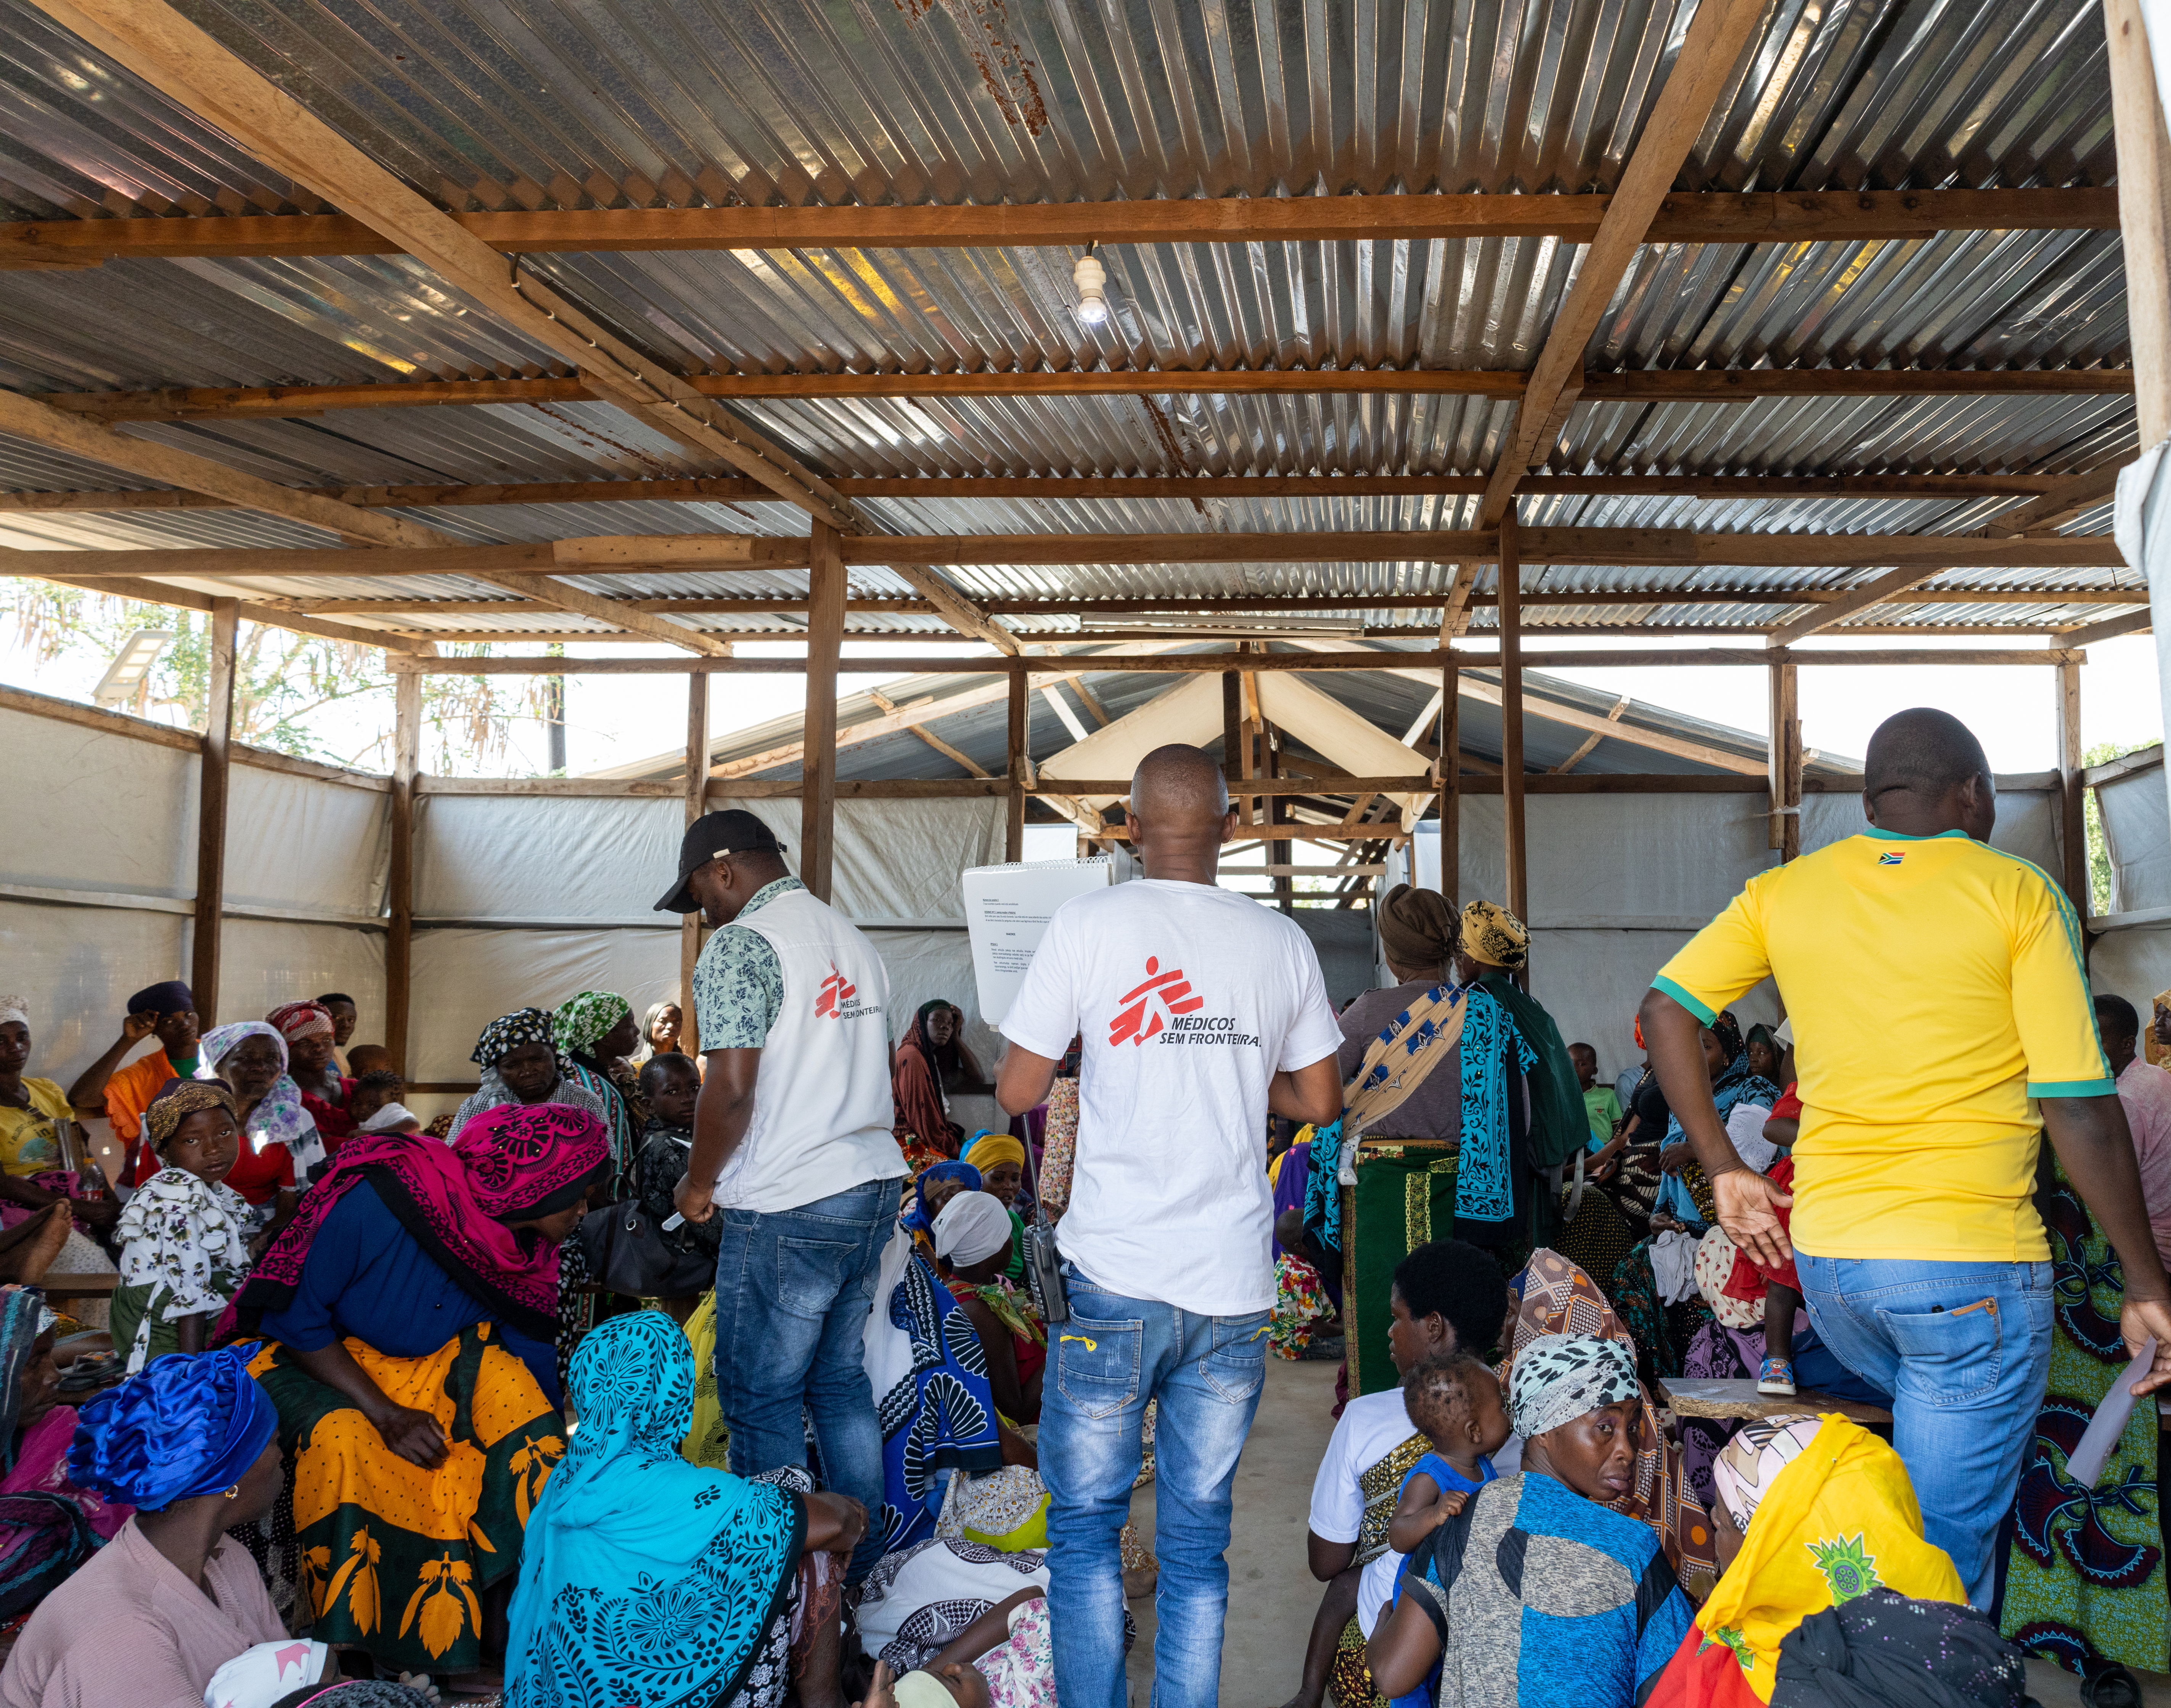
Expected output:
{"points": [[1091, 279]]}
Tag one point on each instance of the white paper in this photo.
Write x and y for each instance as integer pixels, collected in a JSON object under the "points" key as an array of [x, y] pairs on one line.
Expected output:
{"points": [[1006, 912], [2085, 1463]]}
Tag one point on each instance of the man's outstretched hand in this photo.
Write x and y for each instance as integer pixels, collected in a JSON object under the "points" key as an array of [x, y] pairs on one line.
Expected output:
{"points": [[1748, 1209]]}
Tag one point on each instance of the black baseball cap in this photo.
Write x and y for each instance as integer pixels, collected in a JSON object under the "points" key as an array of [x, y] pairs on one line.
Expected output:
{"points": [[735, 831]]}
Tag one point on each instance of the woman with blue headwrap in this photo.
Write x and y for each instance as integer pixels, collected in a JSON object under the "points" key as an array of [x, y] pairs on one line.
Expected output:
{"points": [[192, 1445]]}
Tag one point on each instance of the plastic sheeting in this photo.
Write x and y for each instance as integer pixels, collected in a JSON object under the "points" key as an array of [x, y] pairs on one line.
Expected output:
{"points": [[2137, 835]]}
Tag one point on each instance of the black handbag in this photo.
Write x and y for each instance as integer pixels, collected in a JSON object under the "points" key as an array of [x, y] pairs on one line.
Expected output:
{"points": [[627, 1253]]}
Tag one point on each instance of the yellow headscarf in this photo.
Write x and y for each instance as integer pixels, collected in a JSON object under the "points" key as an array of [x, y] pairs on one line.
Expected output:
{"points": [[990, 1149], [1490, 933], [1839, 1520]]}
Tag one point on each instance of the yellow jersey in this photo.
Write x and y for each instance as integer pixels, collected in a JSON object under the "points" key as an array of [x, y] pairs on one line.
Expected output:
{"points": [[1936, 989]]}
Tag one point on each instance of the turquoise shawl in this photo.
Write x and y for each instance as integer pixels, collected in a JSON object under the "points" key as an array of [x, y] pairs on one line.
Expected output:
{"points": [[644, 1578]]}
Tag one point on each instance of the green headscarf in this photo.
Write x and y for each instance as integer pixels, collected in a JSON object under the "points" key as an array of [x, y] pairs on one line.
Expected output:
{"points": [[581, 1023]]}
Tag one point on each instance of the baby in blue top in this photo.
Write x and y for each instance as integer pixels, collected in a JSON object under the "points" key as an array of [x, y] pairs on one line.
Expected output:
{"points": [[1455, 1400]]}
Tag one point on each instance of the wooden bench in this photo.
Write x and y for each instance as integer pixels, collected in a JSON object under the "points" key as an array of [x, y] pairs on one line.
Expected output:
{"points": [[1698, 1396]]}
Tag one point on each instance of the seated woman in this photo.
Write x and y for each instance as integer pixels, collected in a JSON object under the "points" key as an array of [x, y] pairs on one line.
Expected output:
{"points": [[1000, 1159], [932, 1061], [405, 1321], [192, 1445], [519, 1064], [1811, 1512], [284, 1148], [309, 1031], [972, 1241], [186, 1244], [627, 1528], [934, 1188], [1602, 1615], [1557, 1298], [593, 1034], [35, 1176]]}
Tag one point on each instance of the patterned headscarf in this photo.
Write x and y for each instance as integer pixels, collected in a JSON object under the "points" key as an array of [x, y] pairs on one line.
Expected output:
{"points": [[296, 1021], [163, 1118], [1490, 933], [1762, 1447], [279, 1118], [919, 1220], [184, 1428], [1560, 1377], [511, 1164], [508, 1032], [14, 1008], [578, 1026]]}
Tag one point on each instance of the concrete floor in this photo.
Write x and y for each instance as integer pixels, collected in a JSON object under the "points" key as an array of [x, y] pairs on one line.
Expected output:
{"points": [[1271, 1597]]}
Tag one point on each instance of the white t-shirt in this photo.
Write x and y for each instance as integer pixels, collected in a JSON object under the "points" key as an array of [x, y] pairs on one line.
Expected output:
{"points": [[1189, 999], [1371, 1427]]}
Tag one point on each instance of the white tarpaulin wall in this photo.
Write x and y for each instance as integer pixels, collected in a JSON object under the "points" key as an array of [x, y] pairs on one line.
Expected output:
{"points": [[2132, 955]]}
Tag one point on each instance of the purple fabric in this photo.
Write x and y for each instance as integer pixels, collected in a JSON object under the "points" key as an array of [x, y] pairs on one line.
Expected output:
{"points": [[1290, 1184]]}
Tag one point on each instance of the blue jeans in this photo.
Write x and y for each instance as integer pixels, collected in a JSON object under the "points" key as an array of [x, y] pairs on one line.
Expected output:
{"points": [[793, 1290], [1965, 1351], [1113, 1356]]}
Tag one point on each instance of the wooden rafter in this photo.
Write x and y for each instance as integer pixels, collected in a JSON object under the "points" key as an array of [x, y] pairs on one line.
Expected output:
{"points": [[1703, 71], [1873, 591], [712, 489], [1782, 218], [270, 615], [697, 393], [550, 590], [2133, 623], [2062, 502], [1584, 749]]}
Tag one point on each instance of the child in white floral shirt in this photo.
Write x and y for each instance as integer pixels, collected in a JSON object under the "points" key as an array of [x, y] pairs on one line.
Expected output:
{"points": [[184, 1252]]}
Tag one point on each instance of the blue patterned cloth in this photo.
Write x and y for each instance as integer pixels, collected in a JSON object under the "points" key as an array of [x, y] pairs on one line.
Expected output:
{"points": [[1484, 1188], [932, 1398], [1322, 1188], [738, 985], [644, 1578]]}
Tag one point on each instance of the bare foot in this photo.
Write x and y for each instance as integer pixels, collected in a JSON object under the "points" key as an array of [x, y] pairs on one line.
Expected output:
{"points": [[27, 1251]]}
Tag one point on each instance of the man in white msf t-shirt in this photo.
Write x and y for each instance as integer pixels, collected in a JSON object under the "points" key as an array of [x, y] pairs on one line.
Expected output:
{"points": [[1198, 1011]]}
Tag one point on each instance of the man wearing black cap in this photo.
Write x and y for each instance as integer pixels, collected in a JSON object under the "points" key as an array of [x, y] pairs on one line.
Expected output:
{"points": [[166, 1011], [792, 1149]]}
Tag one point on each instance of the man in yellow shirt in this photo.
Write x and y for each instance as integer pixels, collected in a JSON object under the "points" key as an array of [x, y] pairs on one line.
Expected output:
{"points": [[1922, 1258]]}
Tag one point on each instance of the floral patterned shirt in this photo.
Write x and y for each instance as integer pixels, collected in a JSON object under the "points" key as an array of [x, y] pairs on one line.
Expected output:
{"points": [[738, 983], [186, 1242]]}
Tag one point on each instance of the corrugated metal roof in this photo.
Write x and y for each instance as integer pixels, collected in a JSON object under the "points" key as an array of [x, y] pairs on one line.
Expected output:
{"points": [[579, 103]]}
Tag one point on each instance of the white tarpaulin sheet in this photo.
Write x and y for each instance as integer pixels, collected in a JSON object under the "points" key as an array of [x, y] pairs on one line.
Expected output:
{"points": [[2137, 836]]}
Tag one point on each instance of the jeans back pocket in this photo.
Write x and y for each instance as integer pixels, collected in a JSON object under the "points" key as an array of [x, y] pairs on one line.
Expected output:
{"points": [[1947, 1355], [1236, 1368], [1096, 1363]]}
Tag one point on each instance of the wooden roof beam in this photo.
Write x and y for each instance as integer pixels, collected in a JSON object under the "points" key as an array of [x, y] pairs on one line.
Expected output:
{"points": [[706, 489], [1874, 591], [2133, 623], [696, 394], [1767, 218], [1701, 71], [2062, 502]]}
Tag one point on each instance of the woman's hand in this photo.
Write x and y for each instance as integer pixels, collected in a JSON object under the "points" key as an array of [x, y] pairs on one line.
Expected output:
{"points": [[1676, 1156], [412, 1435], [1661, 1222], [879, 1693], [835, 1523]]}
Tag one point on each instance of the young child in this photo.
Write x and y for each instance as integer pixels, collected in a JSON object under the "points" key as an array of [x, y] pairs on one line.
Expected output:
{"points": [[371, 1091], [183, 1251], [671, 1087], [1001, 1660], [1456, 1400], [392, 1117]]}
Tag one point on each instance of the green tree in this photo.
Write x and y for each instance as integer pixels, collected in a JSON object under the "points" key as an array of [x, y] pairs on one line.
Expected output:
{"points": [[282, 680]]}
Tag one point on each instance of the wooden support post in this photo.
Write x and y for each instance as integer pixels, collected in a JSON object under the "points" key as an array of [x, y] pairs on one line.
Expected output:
{"points": [[1020, 747], [211, 809], [1277, 812], [825, 636], [1450, 766], [1511, 717], [1785, 750], [2074, 830], [1232, 726], [399, 876], [697, 803]]}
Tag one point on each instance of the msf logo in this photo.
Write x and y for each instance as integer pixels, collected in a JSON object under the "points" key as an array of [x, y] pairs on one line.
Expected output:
{"points": [[837, 990], [1147, 1010]]}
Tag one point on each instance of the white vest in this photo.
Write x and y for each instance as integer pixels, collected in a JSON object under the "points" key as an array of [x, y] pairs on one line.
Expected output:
{"points": [[823, 1108]]}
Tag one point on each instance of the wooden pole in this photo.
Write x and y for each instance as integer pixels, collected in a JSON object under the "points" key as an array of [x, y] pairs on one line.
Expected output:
{"points": [[1278, 853], [1785, 749], [2073, 832], [825, 636], [1232, 726], [1450, 766], [399, 878], [697, 803], [211, 809], [1511, 717], [1020, 758]]}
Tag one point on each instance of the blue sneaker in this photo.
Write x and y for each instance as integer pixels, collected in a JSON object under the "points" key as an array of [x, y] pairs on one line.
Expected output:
{"points": [[1775, 1376]]}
